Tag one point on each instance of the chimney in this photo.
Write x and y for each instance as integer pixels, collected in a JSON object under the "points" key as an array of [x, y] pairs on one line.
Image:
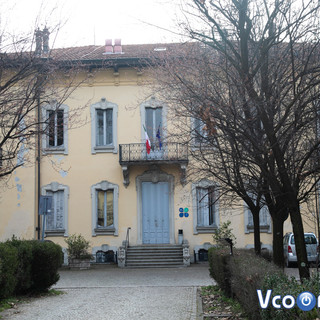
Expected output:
{"points": [[117, 46], [45, 39], [108, 48], [38, 35]]}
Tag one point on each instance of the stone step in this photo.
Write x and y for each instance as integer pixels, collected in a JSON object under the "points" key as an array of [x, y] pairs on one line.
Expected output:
{"points": [[154, 258], [154, 254], [145, 256], [155, 264], [148, 252]]}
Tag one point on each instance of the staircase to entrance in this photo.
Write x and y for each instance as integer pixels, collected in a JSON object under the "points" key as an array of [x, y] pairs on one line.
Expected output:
{"points": [[154, 256]]}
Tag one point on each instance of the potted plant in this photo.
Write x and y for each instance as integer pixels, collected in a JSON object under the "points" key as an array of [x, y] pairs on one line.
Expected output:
{"points": [[78, 254]]}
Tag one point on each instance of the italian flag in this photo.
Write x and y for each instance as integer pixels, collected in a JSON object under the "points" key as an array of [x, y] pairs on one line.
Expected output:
{"points": [[148, 143]]}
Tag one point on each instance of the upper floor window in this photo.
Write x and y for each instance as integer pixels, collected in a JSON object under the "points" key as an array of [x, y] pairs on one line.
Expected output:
{"points": [[55, 137], [199, 132], [153, 124], [104, 127], [205, 206], [154, 119], [55, 128], [57, 219]]}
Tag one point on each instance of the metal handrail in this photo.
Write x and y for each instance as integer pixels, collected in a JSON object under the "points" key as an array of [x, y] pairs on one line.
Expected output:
{"points": [[127, 244], [127, 238], [136, 152]]}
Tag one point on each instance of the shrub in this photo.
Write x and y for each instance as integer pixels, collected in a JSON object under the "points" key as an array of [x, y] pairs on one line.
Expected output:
{"points": [[282, 285], [224, 232], [78, 247], [218, 266], [8, 269], [247, 272], [23, 275], [241, 275], [46, 260]]}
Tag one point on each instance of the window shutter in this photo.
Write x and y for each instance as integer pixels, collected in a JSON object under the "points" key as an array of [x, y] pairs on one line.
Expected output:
{"points": [[158, 124], [99, 129], [149, 123], [50, 217], [264, 216], [60, 126], [51, 128], [250, 218], [203, 207], [109, 129], [60, 210]]}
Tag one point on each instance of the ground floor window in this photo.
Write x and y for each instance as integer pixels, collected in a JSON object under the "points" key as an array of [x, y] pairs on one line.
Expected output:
{"points": [[264, 218], [57, 219], [205, 206], [104, 208]]}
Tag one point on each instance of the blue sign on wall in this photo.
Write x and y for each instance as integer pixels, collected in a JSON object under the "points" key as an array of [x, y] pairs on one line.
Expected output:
{"points": [[183, 212]]}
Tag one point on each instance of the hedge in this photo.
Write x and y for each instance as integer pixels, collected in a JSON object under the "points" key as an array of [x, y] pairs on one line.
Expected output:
{"points": [[241, 275], [28, 266], [8, 268]]}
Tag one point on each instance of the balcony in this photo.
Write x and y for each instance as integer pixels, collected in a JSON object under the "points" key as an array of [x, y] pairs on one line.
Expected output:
{"points": [[136, 154]]}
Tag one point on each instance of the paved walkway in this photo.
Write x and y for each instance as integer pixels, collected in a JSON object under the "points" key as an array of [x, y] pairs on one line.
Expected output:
{"points": [[117, 294]]}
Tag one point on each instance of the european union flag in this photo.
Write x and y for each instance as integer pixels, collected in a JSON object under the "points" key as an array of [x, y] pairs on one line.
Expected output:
{"points": [[159, 138]]}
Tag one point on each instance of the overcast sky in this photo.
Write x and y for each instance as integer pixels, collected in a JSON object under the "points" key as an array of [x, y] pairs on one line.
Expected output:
{"points": [[93, 21]]}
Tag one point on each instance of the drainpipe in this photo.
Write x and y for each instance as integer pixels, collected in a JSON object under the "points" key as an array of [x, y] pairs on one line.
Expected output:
{"points": [[38, 165]]}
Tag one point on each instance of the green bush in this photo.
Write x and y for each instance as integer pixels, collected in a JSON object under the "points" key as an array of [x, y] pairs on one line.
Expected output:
{"points": [[24, 279], [218, 266], [282, 285], [46, 260], [78, 247], [8, 269], [241, 275], [247, 273]]}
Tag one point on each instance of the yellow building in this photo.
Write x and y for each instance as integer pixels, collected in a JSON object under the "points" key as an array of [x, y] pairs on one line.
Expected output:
{"points": [[103, 178]]}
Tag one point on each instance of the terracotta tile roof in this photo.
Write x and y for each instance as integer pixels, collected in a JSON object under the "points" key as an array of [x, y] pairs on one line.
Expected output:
{"points": [[97, 53]]}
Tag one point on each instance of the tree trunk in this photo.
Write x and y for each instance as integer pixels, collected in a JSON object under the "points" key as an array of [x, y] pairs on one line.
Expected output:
{"points": [[277, 245], [256, 229], [301, 251]]}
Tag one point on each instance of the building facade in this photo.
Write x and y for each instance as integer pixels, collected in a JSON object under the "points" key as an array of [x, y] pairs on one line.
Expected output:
{"points": [[105, 183]]}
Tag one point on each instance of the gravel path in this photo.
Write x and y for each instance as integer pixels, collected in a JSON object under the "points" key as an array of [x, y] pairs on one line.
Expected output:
{"points": [[115, 294]]}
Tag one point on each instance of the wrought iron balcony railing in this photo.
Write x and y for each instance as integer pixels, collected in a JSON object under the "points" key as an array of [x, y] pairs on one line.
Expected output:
{"points": [[137, 153]]}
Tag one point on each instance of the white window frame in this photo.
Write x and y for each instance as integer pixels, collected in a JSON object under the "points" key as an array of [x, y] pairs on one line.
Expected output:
{"points": [[154, 103], [47, 149], [265, 227], [103, 104], [204, 229], [203, 133], [104, 186], [54, 187]]}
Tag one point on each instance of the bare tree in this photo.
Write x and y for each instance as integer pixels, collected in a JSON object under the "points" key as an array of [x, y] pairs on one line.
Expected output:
{"points": [[29, 79], [254, 82]]}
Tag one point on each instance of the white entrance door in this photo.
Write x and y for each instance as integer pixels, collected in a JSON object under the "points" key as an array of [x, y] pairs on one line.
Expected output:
{"points": [[155, 212]]}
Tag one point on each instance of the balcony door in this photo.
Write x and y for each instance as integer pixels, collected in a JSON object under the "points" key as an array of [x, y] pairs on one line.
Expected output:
{"points": [[155, 213], [153, 123]]}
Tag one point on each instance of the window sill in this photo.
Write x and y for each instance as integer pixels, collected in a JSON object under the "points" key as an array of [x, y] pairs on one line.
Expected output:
{"points": [[264, 229], [55, 150], [209, 229], [55, 233], [104, 231], [105, 149]]}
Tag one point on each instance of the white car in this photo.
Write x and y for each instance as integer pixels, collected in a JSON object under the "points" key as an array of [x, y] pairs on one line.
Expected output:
{"points": [[289, 248]]}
